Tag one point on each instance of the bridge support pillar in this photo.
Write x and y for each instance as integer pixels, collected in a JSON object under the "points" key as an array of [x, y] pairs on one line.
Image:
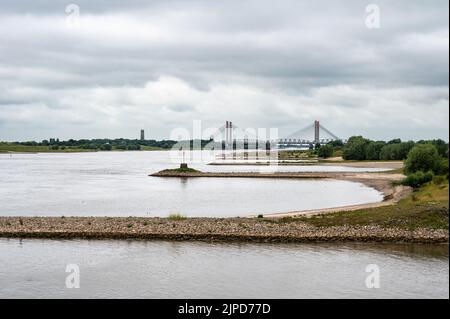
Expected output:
{"points": [[316, 132]]}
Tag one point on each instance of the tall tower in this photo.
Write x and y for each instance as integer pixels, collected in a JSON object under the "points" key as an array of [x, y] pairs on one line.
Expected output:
{"points": [[316, 132], [142, 135], [226, 132], [231, 133]]}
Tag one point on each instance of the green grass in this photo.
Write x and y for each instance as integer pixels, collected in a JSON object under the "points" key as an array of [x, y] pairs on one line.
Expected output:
{"points": [[12, 147], [394, 171], [337, 153], [176, 217], [19, 148], [182, 170], [425, 208]]}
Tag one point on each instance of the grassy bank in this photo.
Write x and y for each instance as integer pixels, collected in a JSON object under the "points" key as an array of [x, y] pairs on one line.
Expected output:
{"points": [[425, 208], [18, 148]]}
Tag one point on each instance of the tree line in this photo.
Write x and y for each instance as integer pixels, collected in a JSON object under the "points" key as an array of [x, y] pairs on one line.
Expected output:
{"points": [[360, 148], [104, 144]]}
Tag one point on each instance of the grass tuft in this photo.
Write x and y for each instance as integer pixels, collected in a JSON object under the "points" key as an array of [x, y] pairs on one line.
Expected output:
{"points": [[176, 217]]}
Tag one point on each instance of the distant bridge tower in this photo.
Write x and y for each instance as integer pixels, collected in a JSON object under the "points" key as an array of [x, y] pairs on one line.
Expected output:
{"points": [[316, 132], [228, 132]]}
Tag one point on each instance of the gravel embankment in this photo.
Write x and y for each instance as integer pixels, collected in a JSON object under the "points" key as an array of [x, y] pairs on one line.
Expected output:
{"points": [[207, 229]]}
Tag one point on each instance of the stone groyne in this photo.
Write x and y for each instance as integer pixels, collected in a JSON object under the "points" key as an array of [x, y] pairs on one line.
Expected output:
{"points": [[207, 229]]}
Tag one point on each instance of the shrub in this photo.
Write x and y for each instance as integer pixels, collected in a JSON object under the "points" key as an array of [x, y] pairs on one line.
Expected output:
{"points": [[336, 143], [423, 157], [106, 147], [418, 178], [186, 170], [325, 151], [442, 168], [373, 150], [176, 217], [441, 146], [355, 149], [396, 151], [438, 180]]}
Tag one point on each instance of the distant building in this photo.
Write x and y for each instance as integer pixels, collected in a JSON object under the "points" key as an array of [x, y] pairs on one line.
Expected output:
{"points": [[142, 135]]}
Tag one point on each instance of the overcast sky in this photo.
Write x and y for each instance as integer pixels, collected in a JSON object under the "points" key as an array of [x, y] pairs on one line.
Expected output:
{"points": [[159, 65]]}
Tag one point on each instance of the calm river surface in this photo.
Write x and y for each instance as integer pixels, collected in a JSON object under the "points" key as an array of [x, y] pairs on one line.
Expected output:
{"points": [[117, 184], [159, 269]]}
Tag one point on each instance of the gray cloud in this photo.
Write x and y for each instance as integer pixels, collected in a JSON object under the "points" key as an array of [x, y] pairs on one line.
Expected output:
{"points": [[161, 64]]}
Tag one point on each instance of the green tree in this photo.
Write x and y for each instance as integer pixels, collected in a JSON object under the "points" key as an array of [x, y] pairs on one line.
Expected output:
{"points": [[325, 151], [441, 146], [396, 151], [355, 149], [106, 147], [389, 152], [404, 149], [423, 157], [336, 143], [395, 141], [373, 150], [418, 178]]}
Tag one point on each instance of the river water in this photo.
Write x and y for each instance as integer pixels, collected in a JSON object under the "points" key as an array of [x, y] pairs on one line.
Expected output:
{"points": [[117, 184], [159, 269]]}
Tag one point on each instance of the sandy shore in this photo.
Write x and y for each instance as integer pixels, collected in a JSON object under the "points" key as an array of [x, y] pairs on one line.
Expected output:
{"points": [[388, 165], [379, 164], [206, 229]]}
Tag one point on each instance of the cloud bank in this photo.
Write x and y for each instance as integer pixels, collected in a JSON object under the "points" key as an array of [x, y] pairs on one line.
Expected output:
{"points": [[159, 65]]}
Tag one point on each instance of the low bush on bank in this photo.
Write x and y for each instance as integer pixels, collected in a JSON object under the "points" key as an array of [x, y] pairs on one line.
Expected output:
{"points": [[417, 179], [187, 170], [182, 170], [325, 151], [439, 180], [177, 217], [424, 158]]}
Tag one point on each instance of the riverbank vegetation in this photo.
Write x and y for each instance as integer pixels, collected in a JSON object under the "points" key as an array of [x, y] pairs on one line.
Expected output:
{"points": [[55, 145], [181, 170], [360, 148], [92, 145], [426, 207], [19, 148]]}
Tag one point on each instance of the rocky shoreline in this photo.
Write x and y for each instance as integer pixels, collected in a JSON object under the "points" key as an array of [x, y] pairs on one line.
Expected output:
{"points": [[207, 229]]}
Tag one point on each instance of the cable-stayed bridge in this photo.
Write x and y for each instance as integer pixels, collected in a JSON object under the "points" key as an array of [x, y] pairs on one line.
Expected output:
{"points": [[315, 133], [312, 134]]}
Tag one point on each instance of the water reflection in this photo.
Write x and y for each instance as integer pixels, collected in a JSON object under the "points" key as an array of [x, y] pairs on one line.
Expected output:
{"points": [[117, 184], [161, 269]]}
